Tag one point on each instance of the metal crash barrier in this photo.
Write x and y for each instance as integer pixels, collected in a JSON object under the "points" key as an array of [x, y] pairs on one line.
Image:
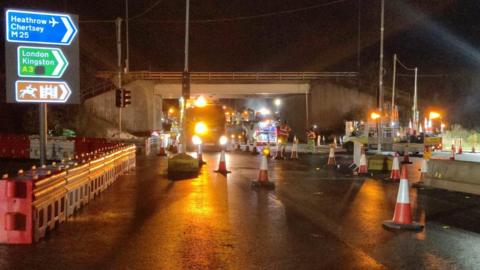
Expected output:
{"points": [[37, 201]]}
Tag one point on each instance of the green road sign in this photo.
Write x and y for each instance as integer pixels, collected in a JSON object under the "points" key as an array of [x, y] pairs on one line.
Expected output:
{"points": [[41, 62]]}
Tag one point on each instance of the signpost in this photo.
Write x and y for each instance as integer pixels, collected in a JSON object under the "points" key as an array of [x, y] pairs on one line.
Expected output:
{"points": [[41, 91], [41, 59], [41, 62], [39, 27]]}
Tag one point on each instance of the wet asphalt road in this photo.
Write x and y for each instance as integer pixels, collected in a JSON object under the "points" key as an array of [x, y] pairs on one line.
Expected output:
{"points": [[314, 219]]}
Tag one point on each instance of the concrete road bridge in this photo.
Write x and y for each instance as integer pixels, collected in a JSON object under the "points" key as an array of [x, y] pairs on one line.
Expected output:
{"points": [[323, 98]]}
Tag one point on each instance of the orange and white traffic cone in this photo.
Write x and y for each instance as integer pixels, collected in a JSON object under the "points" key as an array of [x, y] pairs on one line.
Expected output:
{"points": [[278, 154], [460, 149], [200, 156], [331, 157], [474, 142], [363, 168], [262, 179], [395, 174], [406, 157], [294, 154], [423, 169], [222, 165], [402, 217], [161, 151], [335, 142], [247, 148]]}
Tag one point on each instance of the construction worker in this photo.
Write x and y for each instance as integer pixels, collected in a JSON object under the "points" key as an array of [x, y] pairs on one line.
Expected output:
{"points": [[282, 133], [311, 140]]}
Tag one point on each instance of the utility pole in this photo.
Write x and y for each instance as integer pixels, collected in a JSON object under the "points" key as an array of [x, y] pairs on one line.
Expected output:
{"points": [[392, 115], [118, 23], [358, 34], [380, 81], [185, 84], [127, 60], [415, 109]]}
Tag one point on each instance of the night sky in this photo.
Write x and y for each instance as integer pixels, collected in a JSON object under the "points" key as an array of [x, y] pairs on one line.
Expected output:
{"points": [[441, 37]]}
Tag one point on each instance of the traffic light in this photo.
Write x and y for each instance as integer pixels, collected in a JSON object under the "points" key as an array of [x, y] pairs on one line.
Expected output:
{"points": [[118, 98], [126, 98]]}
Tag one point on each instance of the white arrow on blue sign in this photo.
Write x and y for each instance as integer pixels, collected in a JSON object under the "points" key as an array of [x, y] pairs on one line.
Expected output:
{"points": [[39, 27]]}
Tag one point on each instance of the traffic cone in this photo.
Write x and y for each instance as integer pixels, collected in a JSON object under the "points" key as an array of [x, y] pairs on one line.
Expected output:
{"points": [[331, 157], [254, 150], [319, 142], [247, 148], [262, 179], [474, 142], [454, 150], [278, 154], [222, 165], [161, 151], [402, 217], [200, 156], [335, 142], [395, 174], [406, 157], [294, 154], [423, 169], [238, 147], [363, 168], [460, 150]]}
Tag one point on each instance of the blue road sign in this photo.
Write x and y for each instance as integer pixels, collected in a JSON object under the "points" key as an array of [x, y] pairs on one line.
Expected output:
{"points": [[39, 27]]}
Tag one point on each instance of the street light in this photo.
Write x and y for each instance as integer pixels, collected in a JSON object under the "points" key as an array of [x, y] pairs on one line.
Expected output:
{"points": [[374, 115], [277, 102], [434, 115], [223, 140], [196, 140], [265, 111], [200, 102]]}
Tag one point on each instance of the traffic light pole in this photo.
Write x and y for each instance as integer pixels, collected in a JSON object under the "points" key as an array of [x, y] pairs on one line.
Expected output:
{"points": [[43, 133], [118, 23]]}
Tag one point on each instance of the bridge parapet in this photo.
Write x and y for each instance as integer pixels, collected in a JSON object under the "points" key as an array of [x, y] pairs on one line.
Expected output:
{"points": [[229, 76]]}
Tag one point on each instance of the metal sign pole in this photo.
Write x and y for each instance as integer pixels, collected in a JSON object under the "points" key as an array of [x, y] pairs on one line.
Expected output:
{"points": [[43, 133]]}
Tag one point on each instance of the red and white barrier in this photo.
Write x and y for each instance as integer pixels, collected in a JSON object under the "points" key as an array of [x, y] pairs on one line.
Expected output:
{"points": [[37, 200]]}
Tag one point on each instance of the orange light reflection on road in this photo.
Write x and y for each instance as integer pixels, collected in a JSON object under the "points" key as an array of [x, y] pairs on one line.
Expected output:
{"points": [[199, 199]]}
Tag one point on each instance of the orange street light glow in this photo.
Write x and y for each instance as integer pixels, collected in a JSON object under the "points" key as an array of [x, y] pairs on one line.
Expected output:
{"points": [[434, 115], [374, 115], [200, 102]]}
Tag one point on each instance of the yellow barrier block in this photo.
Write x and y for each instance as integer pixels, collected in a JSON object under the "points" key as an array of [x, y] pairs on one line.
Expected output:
{"points": [[380, 163]]}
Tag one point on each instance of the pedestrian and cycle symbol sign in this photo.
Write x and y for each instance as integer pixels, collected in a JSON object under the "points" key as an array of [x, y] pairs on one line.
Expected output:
{"points": [[41, 62], [39, 27], [42, 91]]}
